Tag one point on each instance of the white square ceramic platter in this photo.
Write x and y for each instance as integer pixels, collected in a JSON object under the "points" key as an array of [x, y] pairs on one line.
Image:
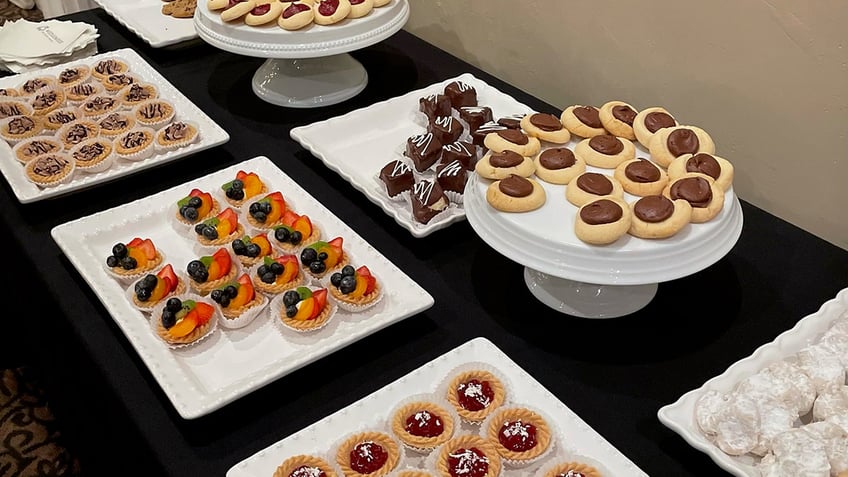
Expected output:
{"points": [[680, 416], [232, 362], [317, 438], [211, 134], [358, 144], [145, 19]]}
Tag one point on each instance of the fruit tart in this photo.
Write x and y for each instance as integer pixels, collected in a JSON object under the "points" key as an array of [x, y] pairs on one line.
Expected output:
{"points": [[210, 271], [238, 301], [245, 186], [134, 259], [521, 435], [278, 274], [184, 320], [468, 455], [251, 250], [152, 289], [355, 289], [195, 207], [304, 465], [422, 423], [369, 453], [304, 309], [320, 258], [267, 211], [220, 229], [295, 231], [572, 466], [475, 392]]}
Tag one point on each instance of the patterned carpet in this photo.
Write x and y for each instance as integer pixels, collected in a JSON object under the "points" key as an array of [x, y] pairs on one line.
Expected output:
{"points": [[8, 11]]}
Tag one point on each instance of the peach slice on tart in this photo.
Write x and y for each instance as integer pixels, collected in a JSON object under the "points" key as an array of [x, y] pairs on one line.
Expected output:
{"points": [[304, 308], [320, 256], [184, 321], [295, 230], [209, 271], [250, 250], [267, 211], [136, 256], [355, 288], [278, 274], [153, 288], [197, 205], [219, 230], [243, 187], [236, 297]]}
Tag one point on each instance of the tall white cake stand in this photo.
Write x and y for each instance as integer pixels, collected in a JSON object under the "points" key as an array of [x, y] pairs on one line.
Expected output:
{"points": [[591, 281], [307, 68]]}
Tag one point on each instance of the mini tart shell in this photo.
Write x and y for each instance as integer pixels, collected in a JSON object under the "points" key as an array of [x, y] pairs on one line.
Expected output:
{"points": [[251, 261], [138, 152], [113, 133], [54, 120], [97, 164], [238, 203], [64, 175], [138, 272], [468, 441], [356, 304], [14, 105], [294, 462], [237, 233], [277, 288], [205, 288], [308, 325], [74, 96], [196, 334], [481, 375], [232, 313], [121, 65], [398, 425], [575, 466], [49, 82], [165, 144], [382, 439], [544, 435], [290, 248], [264, 226], [92, 131], [58, 103], [115, 87], [83, 75], [97, 114], [168, 113], [216, 208], [14, 138], [130, 103], [149, 305], [342, 262], [21, 152]]}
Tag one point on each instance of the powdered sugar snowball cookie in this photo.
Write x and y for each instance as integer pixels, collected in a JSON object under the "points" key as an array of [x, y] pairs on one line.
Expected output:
{"points": [[177, 134], [784, 381], [47, 100], [617, 118], [422, 422], [583, 121], [738, 426], [708, 411], [590, 186], [521, 434], [296, 15], [17, 128], [475, 390], [465, 452], [370, 452], [14, 107], [720, 169], [546, 127], [93, 155], [702, 193], [796, 452], [360, 8], [265, 11], [823, 367], [135, 144], [835, 441], [154, 113], [670, 143], [328, 12], [649, 121], [831, 402], [29, 149], [605, 150], [775, 418], [52, 169], [305, 465]]}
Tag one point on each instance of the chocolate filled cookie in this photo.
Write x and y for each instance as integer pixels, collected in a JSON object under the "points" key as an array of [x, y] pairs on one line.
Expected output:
{"points": [[589, 186], [670, 143], [720, 169], [500, 165], [545, 127], [702, 193], [512, 140], [648, 121], [605, 151], [558, 165], [658, 217], [603, 220], [617, 118], [582, 121], [515, 194], [641, 177]]}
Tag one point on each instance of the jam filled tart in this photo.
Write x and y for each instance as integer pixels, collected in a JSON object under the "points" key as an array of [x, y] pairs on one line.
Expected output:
{"points": [[475, 394], [468, 456], [305, 466], [372, 453], [520, 435], [422, 424]]}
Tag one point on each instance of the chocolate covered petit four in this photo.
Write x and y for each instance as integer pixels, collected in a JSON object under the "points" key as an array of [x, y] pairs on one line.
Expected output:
{"points": [[446, 129], [435, 105], [424, 150], [461, 94], [397, 177], [452, 176], [428, 200], [475, 116], [464, 152]]}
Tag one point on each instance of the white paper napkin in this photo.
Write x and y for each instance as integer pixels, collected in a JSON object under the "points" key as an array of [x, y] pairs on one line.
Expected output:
{"points": [[24, 44]]}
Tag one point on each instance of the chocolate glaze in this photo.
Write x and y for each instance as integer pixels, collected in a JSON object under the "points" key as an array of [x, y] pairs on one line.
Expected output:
{"points": [[34, 85], [113, 122], [428, 199], [624, 113], [511, 122], [461, 94], [133, 139], [69, 75], [49, 165], [99, 103], [108, 67], [61, 117], [45, 100], [595, 183], [657, 120], [446, 129], [435, 105], [464, 152], [695, 190], [89, 152], [478, 136], [424, 150], [514, 136], [397, 176], [475, 116], [705, 164], [36, 148], [176, 131], [505, 159], [642, 171], [77, 133], [653, 208], [589, 116], [120, 79], [21, 125], [606, 144], [515, 186], [599, 212], [682, 141], [546, 122], [10, 109], [557, 158], [137, 93], [452, 176], [83, 89]]}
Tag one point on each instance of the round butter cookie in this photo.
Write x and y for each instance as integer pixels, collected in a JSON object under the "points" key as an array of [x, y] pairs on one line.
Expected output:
{"points": [[296, 16], [605, 150], [328, 12], [264, 12], [360, 8], [658, 217], [515, 194], [583, 121], [649, 121], [500, 165], [381, 3], [641, 177], [545, 127], [716, 167], [589, 186], [603, 221], [558, 165], [702, 193], [238, 10], [512, 140], [670, 143], [617, 118]]}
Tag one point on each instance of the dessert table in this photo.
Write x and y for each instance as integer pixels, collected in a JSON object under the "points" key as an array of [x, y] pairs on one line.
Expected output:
{"points": [[615, 373]]}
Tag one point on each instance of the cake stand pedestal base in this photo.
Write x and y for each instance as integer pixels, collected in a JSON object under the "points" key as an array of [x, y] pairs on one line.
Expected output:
{"points": [[310, 82], [587, 300]]}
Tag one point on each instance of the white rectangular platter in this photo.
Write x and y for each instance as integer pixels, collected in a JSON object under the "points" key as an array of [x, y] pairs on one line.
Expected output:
{"points": [[145, 19], [317, 438], [211, 134], [358, 144], [232, 362], [680, 416]]}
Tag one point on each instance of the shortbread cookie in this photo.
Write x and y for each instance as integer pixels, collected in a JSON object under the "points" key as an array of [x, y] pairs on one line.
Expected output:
{"points": [[617, 118], [641, 177], [658, 217], [381, 3], [238, 10], [264, 12], [500, 165], [649, 121], [583, 121], [296, 16], [183, 8], [515, 194], [328, 12], [603, 220], [546, 127], [558, 165], [705, 196], [217, 4], [716, 167], [670, 143], [605, 151], [589, 186], [512, 140], [360, 8]]}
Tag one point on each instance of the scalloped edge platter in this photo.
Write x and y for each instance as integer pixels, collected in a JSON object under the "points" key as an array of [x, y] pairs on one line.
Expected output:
{"points": [[679, 416], [574, 434], [233, 362], [146, 20]]}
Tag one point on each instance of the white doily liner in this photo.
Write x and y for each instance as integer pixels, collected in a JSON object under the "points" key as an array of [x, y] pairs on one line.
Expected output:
{"points": [[101, 166], [425, 397], [563, 455], [277, 311], [442, 388], [63, 180], [130, 291], [125, 280], [20, 144], [524, 463], [454, 197], [245, 318], [141, 155], [306, 280], [176, 145], [158, 124], [156, 316], [378, 425]]}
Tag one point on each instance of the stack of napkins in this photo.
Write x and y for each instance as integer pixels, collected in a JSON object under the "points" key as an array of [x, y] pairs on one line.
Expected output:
{"points": [[27, 46]]}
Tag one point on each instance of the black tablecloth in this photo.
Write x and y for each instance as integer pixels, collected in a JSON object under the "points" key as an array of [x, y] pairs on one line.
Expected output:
{"points": [[614, 373]]}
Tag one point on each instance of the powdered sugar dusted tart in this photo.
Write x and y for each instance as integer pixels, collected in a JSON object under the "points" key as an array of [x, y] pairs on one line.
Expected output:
{"points": [[468, 455], [475, 393], [369, 453], [422, 424], [304, 465]]}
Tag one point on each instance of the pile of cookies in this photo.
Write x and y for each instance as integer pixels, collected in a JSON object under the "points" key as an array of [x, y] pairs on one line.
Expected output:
{"points": [[179, 8], [293, 15], [593, 153]]}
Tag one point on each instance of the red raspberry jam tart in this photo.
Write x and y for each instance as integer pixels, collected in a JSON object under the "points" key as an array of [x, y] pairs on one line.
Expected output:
{"points": [[374, 454], [153, 289], [422, 425], [238, 298], [278, 274], [210, 271], [196, 206], [267, 212], [468, 456], [321, 257], [245, 186], [355, 289], [219, 230], [475, 394], [184, 320], [295, 231], [304, 309], [572, 468], [305, 466], [520, 435], [134, 259], [251, 250]]}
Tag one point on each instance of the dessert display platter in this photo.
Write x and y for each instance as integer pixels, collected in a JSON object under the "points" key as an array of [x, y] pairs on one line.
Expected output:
{"points": [[145, 19], [73, 126], [309, 67], [216, 319], [783, 410], [564, 443], [358, 144]]}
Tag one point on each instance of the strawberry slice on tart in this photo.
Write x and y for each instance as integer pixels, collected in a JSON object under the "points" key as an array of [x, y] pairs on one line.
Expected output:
{"points": [[245, 186], [278, 274], [133, 258], [184, 320], [196, 206]]}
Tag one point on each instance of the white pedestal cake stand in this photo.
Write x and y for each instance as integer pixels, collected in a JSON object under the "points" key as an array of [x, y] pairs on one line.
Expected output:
{"points": [[592, 281], [306, 68]]}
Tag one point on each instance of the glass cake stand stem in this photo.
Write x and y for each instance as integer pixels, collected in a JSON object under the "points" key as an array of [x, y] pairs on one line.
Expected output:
{"points": [[309, 82], [587, 300]]}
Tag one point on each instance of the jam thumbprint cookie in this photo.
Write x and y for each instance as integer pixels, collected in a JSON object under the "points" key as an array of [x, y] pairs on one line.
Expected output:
{"points": [[328, 12], [296, 15]]}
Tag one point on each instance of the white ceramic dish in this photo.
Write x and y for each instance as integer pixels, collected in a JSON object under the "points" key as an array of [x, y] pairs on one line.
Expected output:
{"points": [[318, 437], [679, 416], [145, 19], [358, 144], [232, 363], [211, 134]]}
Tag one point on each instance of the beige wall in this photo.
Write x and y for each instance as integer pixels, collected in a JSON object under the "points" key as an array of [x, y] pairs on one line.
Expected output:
{"points": [[767, 79]]}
